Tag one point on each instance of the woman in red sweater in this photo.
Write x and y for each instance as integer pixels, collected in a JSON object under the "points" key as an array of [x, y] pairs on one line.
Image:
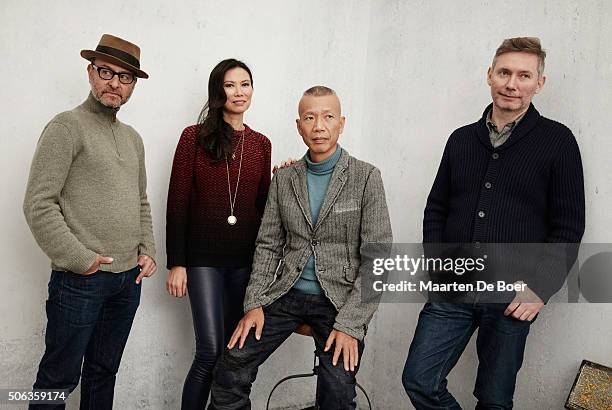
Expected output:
{"points": [[216, 199]]}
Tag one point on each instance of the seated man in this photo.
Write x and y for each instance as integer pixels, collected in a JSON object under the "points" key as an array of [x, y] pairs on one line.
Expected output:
{"points": [[320, 214]]}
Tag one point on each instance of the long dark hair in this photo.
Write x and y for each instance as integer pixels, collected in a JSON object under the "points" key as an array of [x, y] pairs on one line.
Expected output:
{"points": [[214, 133]]}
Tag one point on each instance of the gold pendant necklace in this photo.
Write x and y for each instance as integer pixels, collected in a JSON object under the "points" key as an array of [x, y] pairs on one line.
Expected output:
{"points": [[232, 219], [236, 148]]}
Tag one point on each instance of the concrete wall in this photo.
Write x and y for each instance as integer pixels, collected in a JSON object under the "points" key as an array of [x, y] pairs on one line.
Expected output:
{"points": [[426, 73], [408, 73]]}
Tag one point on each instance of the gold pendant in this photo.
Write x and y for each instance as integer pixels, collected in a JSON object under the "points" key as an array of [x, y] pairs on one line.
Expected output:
{"points": [[232, 220]]}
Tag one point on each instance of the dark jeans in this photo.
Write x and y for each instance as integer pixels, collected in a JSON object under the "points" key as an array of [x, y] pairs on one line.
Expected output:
{"points": [[236, 370], [88, 317], [443, 331], [216, 296]]}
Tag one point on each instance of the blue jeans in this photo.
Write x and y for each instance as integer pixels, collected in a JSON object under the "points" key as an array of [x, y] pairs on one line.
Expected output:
{"points": [[88, 322], [237, 368], [442, 332]]}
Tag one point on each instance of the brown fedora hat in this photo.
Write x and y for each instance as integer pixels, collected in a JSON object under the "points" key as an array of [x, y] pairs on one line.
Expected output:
{"points": [[116, 50]]}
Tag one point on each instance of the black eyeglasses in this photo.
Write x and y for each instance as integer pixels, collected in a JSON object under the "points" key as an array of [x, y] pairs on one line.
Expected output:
{"points": [[108, 74]]}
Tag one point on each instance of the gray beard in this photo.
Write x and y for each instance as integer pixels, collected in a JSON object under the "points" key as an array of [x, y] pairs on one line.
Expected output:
{"points": [[97, 98]]}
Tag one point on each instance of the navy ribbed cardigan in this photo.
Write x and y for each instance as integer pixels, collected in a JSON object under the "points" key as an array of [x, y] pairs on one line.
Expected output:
{"points": [[528, 190]]}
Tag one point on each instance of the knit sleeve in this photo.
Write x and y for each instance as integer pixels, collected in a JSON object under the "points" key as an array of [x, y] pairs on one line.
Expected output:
{"points": [[147, 241], [179, 190], [264, 184], [566, 216], [42, 203], [566, 197], [436, 209]]}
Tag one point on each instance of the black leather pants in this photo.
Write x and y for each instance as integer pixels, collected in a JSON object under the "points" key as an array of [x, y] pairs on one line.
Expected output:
{"points": [[216, 296]]}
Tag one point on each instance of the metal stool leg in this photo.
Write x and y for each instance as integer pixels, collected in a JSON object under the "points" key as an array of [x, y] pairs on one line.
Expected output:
{"points": [[315, 372], [366, 395]]}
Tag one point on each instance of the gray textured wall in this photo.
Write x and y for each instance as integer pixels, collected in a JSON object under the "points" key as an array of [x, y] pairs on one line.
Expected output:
{"points": [[427, 65], [408, 73]]}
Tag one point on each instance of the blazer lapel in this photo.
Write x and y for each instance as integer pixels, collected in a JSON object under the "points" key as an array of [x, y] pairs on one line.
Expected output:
{"points": [[338, 179], [300, 188]]}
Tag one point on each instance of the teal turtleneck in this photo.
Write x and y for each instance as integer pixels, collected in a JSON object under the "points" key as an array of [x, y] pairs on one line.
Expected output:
{"points": [[318, 175]]}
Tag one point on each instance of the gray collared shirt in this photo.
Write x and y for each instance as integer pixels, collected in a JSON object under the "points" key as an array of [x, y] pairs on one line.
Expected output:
{"points": [[499, 137]]}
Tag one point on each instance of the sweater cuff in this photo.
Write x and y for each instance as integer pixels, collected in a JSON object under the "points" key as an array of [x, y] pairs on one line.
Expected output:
{"points": [[145, 250], [544, 292], [173, 260], [80, 263]]}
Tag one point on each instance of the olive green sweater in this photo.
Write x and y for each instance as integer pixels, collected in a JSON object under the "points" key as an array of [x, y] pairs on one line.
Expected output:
{"points": [[87, 191]]}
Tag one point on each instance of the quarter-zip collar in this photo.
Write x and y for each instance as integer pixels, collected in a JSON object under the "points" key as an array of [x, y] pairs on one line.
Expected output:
{"points": [[96, 107]]}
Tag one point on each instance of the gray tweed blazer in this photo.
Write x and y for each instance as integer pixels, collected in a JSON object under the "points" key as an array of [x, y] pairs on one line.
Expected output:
{"points": [[354, 213]]}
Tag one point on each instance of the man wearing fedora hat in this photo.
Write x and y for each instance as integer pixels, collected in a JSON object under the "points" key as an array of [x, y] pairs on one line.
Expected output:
{"points": [[87, 207]]}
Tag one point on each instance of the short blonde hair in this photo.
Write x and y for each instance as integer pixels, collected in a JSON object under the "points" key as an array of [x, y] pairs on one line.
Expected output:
{"points": [[525, 45]]}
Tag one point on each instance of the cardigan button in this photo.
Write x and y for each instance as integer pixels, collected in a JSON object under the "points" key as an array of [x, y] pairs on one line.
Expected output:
{"points": [[481, 214], [495, 155], [488, 185]]}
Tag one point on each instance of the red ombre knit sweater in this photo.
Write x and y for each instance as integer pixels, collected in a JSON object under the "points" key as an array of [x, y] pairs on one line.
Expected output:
{"points": [[197, 232]]}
